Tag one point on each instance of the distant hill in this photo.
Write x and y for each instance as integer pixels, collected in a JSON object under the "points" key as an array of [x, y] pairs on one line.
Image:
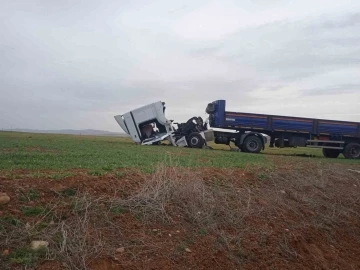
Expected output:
{"points": [[92, 132]]}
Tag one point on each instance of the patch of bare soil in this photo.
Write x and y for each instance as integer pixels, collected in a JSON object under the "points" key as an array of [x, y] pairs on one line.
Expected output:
{"points": [[7, 150], [30, 149], [291, 217], [40, 149]]}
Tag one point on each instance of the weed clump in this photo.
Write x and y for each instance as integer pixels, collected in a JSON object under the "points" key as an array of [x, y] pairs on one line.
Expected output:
{"points": [[27, 257], [32, 211], [173, 192], [31, 195]]}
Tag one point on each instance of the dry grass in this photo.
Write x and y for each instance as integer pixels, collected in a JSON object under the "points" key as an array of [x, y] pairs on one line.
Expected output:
{"points": [[330, 192], [171, 194], [78, 240], [74, 229], [79, 228], [276, 210]]}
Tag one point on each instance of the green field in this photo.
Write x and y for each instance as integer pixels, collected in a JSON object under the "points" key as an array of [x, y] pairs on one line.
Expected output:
{"points": [[66, 152], [167, 207]]}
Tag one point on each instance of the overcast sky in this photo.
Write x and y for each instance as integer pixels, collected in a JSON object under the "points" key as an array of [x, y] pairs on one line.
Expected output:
{"points": [[76, 64]]}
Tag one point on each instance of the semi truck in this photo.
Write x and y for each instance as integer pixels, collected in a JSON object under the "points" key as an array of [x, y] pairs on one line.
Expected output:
{"points": [[247, 131]]}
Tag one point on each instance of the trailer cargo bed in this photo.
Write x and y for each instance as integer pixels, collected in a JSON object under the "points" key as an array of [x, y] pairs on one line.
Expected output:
{"points": [[286, 131], [275, 123]]}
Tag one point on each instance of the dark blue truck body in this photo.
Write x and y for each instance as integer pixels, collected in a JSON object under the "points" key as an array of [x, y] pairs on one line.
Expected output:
{"points": [[288, 131], [270, 123]]}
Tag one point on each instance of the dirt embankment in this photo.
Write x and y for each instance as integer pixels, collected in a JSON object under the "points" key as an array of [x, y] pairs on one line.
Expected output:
{"points": [[291, 217]]}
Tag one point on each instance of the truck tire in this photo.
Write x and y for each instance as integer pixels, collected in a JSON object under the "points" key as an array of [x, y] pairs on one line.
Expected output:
{"points": [[252, 144], [195, 140], [331, 153], [352, 151]]}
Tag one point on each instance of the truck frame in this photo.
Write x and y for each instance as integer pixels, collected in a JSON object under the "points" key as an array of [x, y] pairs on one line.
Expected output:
{"points": [[333, 137]]}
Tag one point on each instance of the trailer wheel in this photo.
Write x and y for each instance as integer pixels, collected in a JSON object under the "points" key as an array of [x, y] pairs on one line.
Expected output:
{"points": [[252, 144], [331, 153], [352, 151], [195, 140]]}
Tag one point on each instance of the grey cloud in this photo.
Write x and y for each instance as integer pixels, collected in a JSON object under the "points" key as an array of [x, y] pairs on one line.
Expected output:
{"points": [[291, 46], [353, 19], [76, 64], [335, 90]]}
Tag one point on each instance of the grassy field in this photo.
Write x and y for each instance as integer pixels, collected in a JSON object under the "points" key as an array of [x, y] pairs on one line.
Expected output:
{"points": [[57, 152], [105, 203], [65, 152]]}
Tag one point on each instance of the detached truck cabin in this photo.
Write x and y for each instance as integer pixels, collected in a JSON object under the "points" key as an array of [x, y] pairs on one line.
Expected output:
{"points": [[334, 137], [148, 125]]}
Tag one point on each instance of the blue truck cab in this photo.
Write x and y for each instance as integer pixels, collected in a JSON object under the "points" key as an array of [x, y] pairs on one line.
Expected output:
{"points": [[248, 130]]}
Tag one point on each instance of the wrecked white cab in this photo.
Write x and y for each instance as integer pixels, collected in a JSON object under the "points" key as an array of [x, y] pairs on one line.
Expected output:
{"points": [[148, 125]]}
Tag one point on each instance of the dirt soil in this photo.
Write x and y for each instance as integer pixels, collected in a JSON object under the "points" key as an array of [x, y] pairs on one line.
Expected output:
{"points": [[291, 218]]}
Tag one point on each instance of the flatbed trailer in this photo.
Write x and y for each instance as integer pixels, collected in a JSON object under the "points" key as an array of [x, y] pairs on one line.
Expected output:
{"points": [[332, 136]]}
